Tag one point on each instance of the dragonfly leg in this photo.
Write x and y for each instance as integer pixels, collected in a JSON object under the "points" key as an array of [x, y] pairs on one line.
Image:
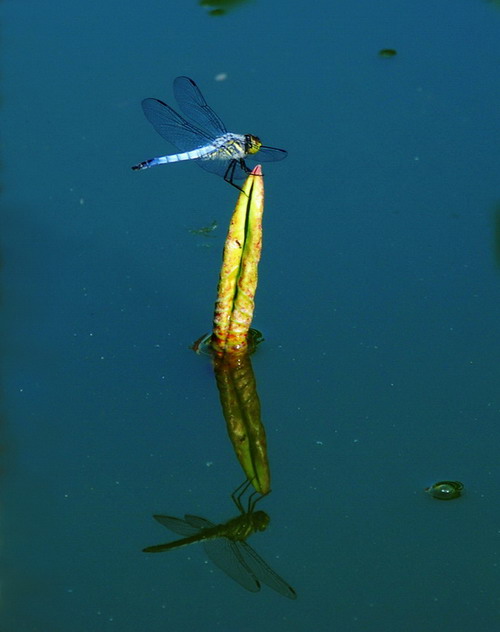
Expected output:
{"points": [[238, 493], [243, 165], [253, 499], [229, 175]]}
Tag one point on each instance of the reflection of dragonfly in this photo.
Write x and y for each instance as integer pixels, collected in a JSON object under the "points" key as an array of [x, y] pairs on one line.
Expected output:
{"points": [[225, 544], [204, 138]]}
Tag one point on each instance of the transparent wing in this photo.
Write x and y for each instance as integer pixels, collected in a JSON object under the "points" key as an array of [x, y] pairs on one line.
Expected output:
{"points": [[198, 522], [172, 127], [263, 572], [177, 525], [267, 154], [225, 554], [193, 105], [191, 526], [220, 168]]}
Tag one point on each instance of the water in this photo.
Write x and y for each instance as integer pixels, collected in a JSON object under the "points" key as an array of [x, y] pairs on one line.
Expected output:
{"points": [[378, 298]]}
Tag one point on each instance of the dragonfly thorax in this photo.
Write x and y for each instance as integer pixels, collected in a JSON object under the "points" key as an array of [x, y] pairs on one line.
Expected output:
{"points": [[252, 144], [229, 146], [241, 527]]}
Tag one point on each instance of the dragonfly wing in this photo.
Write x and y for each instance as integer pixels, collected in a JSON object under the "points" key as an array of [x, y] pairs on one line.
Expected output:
{"points": [[193, 105], [263, 572], [221, 167], [177, 525], [224, 554], [267, 154], [172, 127], [198, 522]]}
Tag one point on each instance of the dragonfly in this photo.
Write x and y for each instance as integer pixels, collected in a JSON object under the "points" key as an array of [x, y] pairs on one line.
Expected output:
{"points": [[202, 136], [225, 544]]}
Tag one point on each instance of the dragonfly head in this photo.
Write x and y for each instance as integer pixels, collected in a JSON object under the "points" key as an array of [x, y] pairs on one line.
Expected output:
{"points": [[252, 144], [260, 520]]}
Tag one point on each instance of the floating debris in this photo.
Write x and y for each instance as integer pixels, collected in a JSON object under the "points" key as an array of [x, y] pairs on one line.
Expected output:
{"points": [[387, 52], [445, 490], [204, 230]]}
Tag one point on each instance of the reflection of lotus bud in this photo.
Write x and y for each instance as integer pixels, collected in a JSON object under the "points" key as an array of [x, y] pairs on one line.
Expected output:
{"points": [[445, 490], [241, 408]]}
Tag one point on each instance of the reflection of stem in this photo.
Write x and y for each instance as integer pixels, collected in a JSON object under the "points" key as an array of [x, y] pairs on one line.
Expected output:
{"points": [[241, 408]]}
